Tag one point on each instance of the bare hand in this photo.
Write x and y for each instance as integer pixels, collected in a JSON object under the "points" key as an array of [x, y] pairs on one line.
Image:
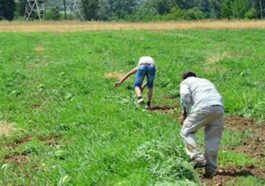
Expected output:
{"points": [[182, 119], [117, 84]]}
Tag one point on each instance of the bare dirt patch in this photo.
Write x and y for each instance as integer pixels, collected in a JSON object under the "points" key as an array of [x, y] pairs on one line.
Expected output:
{"points": [[162, 108], [252, 146], [18, 159], [35, 106], [50, 140], [228, 174], [20, 141], [6, 128], [114, 75]]}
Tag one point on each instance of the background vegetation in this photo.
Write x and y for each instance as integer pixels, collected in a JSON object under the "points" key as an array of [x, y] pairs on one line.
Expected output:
{"points": [[138, 10]]}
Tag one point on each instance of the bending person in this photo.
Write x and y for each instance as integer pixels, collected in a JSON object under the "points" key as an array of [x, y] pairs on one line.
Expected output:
{"points": [[203, 108], [146, 68]]}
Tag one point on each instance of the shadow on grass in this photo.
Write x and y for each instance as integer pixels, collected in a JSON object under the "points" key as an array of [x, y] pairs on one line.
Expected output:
{"points": [[235, 173]]}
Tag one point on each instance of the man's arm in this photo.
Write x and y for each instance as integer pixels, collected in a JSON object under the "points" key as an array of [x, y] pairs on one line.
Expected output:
{"points": [[131, 72], [185, 100]]}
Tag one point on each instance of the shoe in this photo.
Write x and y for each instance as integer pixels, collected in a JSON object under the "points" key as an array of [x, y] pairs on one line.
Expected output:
{"points": [[147, 107], [140, 101], [209, 175], [198, 164]]}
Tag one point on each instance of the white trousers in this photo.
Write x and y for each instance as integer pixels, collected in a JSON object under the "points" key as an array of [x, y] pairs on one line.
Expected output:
{"points": [[212, 119]]}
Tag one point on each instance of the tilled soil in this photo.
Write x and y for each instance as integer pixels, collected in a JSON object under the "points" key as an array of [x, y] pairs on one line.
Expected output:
{"points": [[253, 146]]}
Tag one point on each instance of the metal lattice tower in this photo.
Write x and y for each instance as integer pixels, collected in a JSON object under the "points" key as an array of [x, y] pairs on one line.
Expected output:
{"points": [[76, 7], [33, 8]]}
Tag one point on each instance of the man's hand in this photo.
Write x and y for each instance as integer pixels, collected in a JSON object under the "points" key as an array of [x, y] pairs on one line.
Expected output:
{"points": [[182, 118], [117, 84]]}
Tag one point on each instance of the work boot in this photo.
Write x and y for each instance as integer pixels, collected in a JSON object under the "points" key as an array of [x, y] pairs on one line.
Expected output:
{"points": [[209, 172], [209, 175], [148, 105], [198, 162]]}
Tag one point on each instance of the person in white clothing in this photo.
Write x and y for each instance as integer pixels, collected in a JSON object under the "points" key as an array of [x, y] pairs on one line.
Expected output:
{"points": [[146, 68], [202, 107]]}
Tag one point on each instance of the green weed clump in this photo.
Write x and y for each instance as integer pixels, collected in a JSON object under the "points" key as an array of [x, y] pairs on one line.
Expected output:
{"points": [[166, 161]]}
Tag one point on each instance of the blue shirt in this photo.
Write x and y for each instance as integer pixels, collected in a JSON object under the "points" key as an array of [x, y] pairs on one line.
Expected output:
{"points": [[197, 93]]}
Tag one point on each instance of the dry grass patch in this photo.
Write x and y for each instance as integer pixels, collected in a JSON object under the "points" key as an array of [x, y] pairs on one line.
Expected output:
{"points": [[39, 49], [216, 58], [77, 26], [37, 64], [113, 75], [6, 128], [215, 70]]}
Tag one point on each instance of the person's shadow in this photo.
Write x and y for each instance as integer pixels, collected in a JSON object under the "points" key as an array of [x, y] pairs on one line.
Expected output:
{"points": [[235, 173]]}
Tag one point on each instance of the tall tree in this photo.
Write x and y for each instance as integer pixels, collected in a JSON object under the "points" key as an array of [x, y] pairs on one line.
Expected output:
{"points": [[204, 6], [104, 10], [162, 6], [185, 4], [21, 6], [215, 8], [226, 11], [89, 9], [259, 6], [239, 8], [7, 8]]}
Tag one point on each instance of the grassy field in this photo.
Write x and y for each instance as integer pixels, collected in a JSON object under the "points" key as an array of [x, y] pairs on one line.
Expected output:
{"points": [[63, 123]]}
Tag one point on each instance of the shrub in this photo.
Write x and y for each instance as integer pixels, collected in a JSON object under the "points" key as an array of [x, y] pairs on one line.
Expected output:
{"points": [[53, 14], [194, 14], [250, 14]]}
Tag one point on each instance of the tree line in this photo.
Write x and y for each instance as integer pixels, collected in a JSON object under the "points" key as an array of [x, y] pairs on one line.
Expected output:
{"points": [[142, 10]]}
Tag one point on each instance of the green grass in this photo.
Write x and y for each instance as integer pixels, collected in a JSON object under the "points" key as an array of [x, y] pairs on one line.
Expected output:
{"points": [[102, 138]]}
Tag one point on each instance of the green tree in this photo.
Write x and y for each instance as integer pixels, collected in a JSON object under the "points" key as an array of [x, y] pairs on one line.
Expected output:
{"points": [[122, 8], [53, 14], [176, 13], [239, 8], [215, 8], [104, 11], [21, 7], [226, 11], [145, 12], [259, 6], [194, 14], [185, 4], [89, 9], [7, 8], [162, 6]]}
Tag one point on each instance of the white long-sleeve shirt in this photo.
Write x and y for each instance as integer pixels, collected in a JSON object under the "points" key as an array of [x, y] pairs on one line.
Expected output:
{"points": [[197, 93]]}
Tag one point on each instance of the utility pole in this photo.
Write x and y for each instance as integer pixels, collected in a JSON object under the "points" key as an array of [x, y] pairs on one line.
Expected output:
{"points": [[32, 7], [76, 6], [64, 7]]}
